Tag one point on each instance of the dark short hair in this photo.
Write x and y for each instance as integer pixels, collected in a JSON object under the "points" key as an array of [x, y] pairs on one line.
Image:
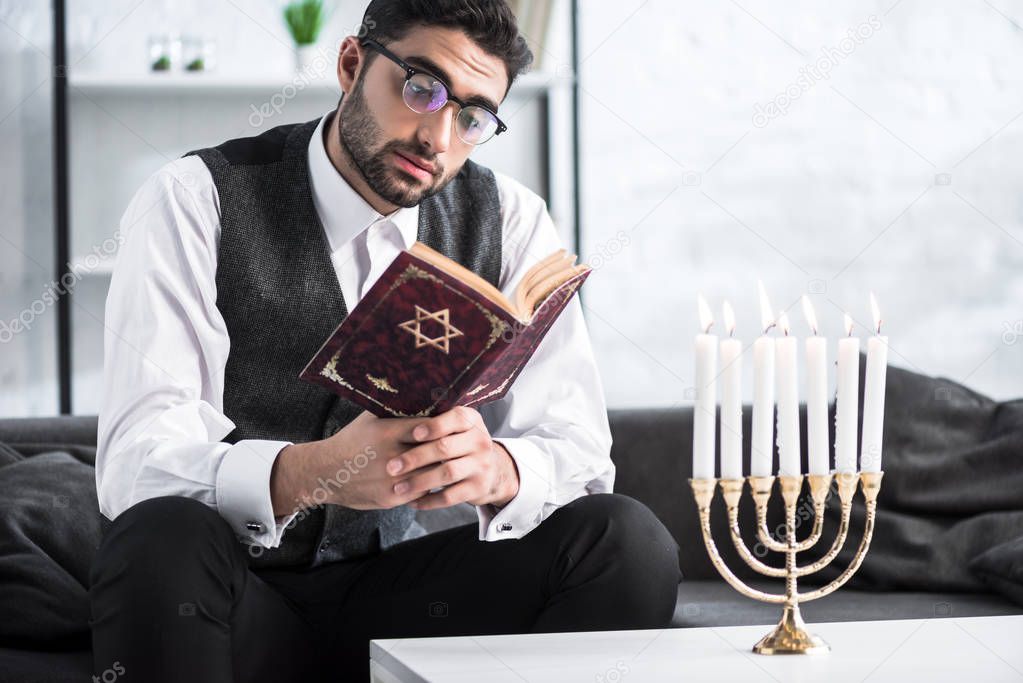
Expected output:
{"points": [[489, 23]]}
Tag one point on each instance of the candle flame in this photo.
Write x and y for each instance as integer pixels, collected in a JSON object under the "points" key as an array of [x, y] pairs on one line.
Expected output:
{"points": [[808, 313], [876, 312], [848, 324], [729, 318], [783, 323], [706, 317], [766, 313]]}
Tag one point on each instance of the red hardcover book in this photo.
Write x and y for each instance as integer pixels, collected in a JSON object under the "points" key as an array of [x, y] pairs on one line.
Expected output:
{"points": [[430, 334]]}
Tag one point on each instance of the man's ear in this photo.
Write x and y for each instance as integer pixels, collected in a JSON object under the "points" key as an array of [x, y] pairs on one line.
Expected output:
{"points": [[350, 60]]}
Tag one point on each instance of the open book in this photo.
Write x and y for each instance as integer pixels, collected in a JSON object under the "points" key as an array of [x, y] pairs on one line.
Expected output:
{"points": [[431, 334], [538, 282]]}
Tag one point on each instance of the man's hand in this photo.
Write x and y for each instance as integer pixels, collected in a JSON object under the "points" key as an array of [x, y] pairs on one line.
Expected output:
{"points": [[457, 453], [358, 466], [345, 469]]}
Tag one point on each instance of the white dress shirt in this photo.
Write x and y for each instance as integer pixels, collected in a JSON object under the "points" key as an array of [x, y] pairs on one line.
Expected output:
{"points": [[166, 346]]}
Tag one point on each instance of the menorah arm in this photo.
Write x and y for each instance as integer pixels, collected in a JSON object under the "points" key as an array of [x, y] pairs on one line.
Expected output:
{"points": [[790, 488], [761, 488], [819, 486], [816, 533], [846, 491], [731, 491], [744, 551], [703, 491], [726, 573], [871, 485], [836, 547]]}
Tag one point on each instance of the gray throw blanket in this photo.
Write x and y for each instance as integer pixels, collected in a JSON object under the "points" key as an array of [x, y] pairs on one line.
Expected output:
{"points": [[50, 526]]}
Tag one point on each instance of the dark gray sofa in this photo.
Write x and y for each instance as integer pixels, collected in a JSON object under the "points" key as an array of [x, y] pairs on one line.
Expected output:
{"points": [[651, 452]]}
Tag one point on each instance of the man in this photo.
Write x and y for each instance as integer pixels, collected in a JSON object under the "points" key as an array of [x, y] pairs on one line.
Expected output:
{"points": [[264, 529]]}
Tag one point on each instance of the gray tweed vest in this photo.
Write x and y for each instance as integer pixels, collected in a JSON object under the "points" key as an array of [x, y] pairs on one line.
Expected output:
{"points": [[280, 297]]}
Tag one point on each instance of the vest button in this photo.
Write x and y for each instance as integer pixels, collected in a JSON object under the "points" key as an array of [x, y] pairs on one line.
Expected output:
{"points": [[324, 546]]}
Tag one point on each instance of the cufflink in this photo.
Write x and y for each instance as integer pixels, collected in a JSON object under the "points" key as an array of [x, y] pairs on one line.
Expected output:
{"points": [[505, 527], [254, 526]]}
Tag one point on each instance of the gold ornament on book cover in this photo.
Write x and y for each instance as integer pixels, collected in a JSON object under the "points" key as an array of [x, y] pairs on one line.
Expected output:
{"points": [[415, 327]]}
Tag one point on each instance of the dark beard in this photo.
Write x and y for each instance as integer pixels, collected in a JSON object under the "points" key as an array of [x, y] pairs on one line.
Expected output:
{"points": [[358, 133]]}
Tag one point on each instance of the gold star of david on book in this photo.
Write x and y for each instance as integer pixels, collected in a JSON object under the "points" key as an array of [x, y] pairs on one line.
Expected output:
{"points": [[415, 327]]}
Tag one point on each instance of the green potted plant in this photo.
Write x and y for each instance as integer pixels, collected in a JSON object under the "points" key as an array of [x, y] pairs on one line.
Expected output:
{"points": [[305, 19]]}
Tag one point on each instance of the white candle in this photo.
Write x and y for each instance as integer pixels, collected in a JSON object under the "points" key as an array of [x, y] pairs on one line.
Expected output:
{"points": [[873, 395], [788, 401], [731, 400], [706, 347], [762, 438], [847, 400], [817, 442]]}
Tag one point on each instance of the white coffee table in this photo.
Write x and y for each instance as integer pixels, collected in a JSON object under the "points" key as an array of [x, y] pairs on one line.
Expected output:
{"points": [[976, 649]]}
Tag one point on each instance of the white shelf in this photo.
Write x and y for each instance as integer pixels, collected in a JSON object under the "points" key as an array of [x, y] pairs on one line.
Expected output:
{"points": [[104, 267], [542, 80], [191, 83], [213, 83]]}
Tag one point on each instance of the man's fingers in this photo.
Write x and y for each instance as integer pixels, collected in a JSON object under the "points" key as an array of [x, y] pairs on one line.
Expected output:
{"points": [[452, 495], [458, 419], [434, 476], [444, 448]]}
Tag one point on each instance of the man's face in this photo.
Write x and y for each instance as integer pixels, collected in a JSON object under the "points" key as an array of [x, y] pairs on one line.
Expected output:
{"points": [[402, 155]]}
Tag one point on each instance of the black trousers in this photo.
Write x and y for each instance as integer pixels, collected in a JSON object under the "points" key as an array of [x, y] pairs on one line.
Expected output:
{"points": [[173, 598]]}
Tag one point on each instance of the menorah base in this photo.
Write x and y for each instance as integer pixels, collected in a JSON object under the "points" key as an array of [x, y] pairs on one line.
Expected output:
{"points": [[790, 637]]}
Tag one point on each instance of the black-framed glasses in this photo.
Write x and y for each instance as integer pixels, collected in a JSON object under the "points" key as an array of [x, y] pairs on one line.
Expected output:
{"points": [[425, 93]]}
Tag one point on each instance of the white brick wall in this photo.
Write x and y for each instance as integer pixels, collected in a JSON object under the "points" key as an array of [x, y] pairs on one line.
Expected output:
{"points": [[842, 189]]}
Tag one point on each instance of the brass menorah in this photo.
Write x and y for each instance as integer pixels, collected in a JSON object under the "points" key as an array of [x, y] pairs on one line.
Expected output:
{"points": [[790, 635]]}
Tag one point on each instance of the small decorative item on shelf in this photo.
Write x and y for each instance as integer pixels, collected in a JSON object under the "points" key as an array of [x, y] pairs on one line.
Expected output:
{"points": [[164, 52], [305, 19], [199, 54]]}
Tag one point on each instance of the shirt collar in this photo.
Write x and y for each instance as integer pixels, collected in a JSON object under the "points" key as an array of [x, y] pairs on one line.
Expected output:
{"points": [[342, 210]]}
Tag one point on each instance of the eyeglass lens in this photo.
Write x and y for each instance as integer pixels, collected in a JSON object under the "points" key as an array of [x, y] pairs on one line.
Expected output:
{"points": [[424, 94]]}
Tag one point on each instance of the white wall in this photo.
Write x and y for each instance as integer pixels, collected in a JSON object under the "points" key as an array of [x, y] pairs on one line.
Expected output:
{"points": [[28, 349], [898, 173]]}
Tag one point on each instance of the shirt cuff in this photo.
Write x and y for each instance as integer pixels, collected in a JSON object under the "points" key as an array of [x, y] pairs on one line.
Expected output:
{"points": [[524, 512], [243, 492]]}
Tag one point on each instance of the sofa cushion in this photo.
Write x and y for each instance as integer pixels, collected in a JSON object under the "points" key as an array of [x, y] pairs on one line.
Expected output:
{"points": [[50, 527], [8, 455], [715, 603], [1001, 567], [67, 430]]}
